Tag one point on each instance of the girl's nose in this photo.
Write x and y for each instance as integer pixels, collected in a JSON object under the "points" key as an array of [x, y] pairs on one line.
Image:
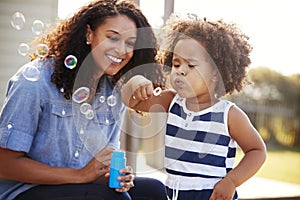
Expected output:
{"points": [[181, 70]]}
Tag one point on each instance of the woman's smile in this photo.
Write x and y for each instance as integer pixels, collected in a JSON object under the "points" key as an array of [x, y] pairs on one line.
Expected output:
{"points": [[115, 60]]}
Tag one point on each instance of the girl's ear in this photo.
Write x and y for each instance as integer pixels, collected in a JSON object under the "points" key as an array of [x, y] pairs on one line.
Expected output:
{"points": [[89, 33]]}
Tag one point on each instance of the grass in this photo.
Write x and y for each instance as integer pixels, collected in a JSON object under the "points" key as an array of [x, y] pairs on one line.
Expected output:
{"points": [[281, 164]]}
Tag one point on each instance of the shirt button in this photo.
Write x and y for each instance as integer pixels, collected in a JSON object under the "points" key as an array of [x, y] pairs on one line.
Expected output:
{"points": [[76, 154], [189, 114], [9, 126], [81, 131], [63, 112]]}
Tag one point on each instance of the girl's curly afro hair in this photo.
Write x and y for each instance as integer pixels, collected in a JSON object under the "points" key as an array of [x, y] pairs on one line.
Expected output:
{"points": [[226, 45]]}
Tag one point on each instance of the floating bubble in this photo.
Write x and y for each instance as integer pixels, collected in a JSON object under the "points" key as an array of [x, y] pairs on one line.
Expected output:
{"points": [[37, 27], [102, 99], [90, 114], [42, 50], [70, 62], [31, 73], [81, 94], [23, 49], [18, 21], [111, 100], [85, 107], [157, 91]]}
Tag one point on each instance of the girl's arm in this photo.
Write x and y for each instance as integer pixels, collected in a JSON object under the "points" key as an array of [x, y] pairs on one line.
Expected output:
{"points": [[251, 143], [137, 94], [249, 140]]}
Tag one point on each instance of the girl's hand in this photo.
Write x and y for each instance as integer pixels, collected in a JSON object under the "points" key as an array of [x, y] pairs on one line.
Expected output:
{"points": [[136, 89], [223, 190], [141, 88]]}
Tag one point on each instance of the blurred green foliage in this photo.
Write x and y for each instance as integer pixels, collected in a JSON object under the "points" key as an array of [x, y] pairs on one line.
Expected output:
{"points": [[272, 102]]}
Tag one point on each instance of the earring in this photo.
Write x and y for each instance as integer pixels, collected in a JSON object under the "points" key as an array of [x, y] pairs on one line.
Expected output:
{"points": [[88, 43]]}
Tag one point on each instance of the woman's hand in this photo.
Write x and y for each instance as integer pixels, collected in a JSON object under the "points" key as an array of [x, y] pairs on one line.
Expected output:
{"points": [[126, 181], [96, 169]]}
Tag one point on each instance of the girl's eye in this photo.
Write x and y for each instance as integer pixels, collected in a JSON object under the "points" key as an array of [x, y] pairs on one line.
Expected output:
{"points": [[191, 66], [176, 65]]}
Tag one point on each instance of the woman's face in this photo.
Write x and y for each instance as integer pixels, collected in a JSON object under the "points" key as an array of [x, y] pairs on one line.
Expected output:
{"points": [[112, 43]]}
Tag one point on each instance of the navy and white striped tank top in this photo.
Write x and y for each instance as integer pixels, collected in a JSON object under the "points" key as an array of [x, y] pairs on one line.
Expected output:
{"points": [[199, 150]]}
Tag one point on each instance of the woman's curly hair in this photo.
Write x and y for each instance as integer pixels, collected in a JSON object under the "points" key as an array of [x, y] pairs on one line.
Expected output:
{"points": [[69, 38], [226, 45]]}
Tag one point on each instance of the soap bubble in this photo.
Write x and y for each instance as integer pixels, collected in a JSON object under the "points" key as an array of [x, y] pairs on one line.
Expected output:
{"points": [[70, 62], [157, 91], [85, 107], [102, 99], [37, 27], [90, 114], [23, 49], [18, 21], [111, 100], [42, 50], [31, 72], [81, 94]]}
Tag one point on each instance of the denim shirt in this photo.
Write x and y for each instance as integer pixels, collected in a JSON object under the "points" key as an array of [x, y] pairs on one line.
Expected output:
{"points": [[38, 120]]}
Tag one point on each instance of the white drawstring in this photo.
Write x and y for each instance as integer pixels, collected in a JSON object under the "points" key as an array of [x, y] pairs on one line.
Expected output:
{"points": [[175, 190]]}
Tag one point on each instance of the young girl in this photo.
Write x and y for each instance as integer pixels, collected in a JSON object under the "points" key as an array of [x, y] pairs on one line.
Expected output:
{"points": [[208, 60]]}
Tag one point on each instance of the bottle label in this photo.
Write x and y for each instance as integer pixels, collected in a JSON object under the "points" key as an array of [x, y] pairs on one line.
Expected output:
{"points": [[118, 162]]}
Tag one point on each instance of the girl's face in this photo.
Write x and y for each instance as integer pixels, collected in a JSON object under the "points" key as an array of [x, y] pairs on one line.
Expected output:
{"points": [[112, 43], [192, 73]]}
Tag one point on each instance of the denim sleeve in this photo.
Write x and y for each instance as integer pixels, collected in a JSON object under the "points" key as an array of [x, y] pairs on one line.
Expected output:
{"points": [[20, 114]]}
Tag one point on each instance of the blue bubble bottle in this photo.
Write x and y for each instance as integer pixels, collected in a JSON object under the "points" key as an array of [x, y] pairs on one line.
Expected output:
{"points": [[118, 162]]}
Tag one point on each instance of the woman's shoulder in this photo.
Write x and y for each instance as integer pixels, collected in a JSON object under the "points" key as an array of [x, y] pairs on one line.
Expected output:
{"points": [[32, 76], [34, 71]]}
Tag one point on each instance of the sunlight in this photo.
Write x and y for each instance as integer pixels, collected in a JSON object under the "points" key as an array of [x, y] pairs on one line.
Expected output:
{"points": [[271, 25]]}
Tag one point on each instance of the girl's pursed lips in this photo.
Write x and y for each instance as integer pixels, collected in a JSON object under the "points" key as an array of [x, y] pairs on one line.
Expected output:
{"points": [[178, 81]]}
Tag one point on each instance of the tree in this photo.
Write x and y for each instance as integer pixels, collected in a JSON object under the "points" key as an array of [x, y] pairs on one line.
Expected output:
{"points": [[272, 102]]}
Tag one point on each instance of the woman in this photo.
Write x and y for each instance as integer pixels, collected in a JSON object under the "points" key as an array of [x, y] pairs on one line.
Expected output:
{"points": [[59, 124]]}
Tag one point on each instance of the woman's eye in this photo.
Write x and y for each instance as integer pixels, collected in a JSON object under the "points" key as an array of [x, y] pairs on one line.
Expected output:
{"points": [[131, 44], [176, 65], [191, 66], [113, 38]]}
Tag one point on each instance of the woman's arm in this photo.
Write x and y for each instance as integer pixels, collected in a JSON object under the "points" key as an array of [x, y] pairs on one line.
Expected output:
{"points": [[17, 166]]}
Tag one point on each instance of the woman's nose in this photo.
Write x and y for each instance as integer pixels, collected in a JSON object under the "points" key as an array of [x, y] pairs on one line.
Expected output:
{"points": [[122, 48]]}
